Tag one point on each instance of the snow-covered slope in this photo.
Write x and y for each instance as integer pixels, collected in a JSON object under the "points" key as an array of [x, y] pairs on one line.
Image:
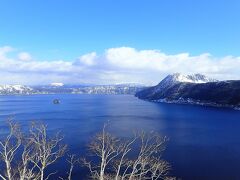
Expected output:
{"points": [[15, 89], [180, 78], [194, 78]]}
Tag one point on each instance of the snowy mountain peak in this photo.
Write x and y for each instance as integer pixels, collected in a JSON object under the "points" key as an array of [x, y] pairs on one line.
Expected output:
{"points": [[15, 89], [194, 78]]}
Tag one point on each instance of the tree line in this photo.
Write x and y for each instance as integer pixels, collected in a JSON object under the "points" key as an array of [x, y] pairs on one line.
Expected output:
{"points": [[28, 155]]}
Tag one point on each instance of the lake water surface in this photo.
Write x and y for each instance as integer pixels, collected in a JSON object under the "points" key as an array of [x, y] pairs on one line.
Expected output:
{"points": [[204, 141]]}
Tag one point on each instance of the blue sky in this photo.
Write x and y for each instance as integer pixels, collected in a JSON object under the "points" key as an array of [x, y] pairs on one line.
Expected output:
{"points": [[60, 29], [53, 30]]}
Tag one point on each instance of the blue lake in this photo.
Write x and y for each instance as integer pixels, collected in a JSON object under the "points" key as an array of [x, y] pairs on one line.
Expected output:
{"points": [[204, 141]]}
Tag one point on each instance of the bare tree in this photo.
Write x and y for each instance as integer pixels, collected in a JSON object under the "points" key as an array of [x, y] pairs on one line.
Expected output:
{"points": [[137, 158], [104, 146], [47, 149], [148, 163], [36, 152], [8, 150]]}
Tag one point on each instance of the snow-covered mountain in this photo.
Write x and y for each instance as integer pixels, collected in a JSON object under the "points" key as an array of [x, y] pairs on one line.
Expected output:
{"points": [[194, 89], [59, 88], [92, 89], [109, 89], [15, 89], [177, 78]]}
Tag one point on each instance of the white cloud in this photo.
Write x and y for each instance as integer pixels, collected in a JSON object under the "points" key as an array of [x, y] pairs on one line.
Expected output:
{"points": [[24, 56], [115, 65], [87, 59], [4, 50]]}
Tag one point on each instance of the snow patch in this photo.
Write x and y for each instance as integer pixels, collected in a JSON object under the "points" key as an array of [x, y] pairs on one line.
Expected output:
{"points": [[57, 84]]}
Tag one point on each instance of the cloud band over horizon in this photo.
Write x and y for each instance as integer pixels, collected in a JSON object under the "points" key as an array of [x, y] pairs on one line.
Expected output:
{"points": [[115, 65]]}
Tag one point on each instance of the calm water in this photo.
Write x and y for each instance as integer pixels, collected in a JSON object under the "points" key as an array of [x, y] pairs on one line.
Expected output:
{"points": [[204, 141]]}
